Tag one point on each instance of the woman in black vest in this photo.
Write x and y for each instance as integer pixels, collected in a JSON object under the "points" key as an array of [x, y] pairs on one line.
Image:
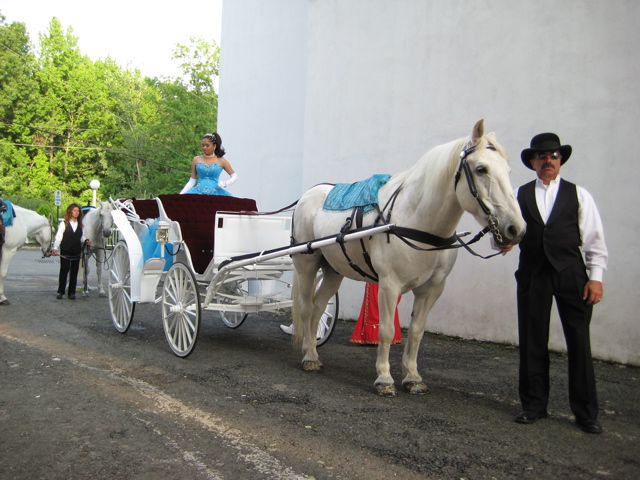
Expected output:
{"points": [[68, 242]]}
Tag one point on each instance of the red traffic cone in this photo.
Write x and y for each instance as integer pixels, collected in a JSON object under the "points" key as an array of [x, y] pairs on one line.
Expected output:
{"points": [[368, 324]]}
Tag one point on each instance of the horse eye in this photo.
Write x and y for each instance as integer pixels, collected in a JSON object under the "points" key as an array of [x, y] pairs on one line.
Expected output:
{"points": [[481, 170]]}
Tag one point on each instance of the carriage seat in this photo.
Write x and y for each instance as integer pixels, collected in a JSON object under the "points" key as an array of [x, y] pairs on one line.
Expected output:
{"points": [[196, 216]]}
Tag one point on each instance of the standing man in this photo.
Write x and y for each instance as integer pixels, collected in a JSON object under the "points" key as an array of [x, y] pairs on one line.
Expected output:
{"points": [[563, 223]]}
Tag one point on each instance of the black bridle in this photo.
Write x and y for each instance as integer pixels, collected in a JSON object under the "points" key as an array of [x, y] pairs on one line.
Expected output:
{"points": [[492, 221]]}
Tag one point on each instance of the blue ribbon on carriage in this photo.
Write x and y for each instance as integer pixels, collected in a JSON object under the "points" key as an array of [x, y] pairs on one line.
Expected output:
{"points": [[8, 214], [346, 196]]}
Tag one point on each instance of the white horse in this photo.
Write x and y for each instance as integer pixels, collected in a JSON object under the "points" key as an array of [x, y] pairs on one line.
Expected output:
{"points": [[96, 226], [430, 197], [27, 223]]}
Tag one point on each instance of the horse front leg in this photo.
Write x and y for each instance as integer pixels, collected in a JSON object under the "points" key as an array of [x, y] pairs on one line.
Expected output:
{"points": [[100, 255], [387, 302], [424, 301]]}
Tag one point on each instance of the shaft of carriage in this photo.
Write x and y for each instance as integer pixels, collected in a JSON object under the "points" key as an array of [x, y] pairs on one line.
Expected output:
{"points": [[261, 257]]}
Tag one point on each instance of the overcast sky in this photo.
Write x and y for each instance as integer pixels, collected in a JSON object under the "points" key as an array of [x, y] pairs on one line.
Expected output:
{"points": [[134, 33]]}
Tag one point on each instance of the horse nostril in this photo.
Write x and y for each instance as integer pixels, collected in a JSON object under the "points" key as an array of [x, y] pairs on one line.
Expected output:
{"points": [[515, 233]]}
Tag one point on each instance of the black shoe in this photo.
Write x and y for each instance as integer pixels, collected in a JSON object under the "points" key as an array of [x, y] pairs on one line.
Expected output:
{"points": [[589, 426], [529, 417], [72, 297], [59, 296]]}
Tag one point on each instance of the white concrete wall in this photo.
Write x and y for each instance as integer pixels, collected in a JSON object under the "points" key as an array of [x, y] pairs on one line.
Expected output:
{"points": [[386, 80], [262, 97]]}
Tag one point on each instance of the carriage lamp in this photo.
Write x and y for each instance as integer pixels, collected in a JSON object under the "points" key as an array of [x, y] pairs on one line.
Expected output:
{"points": [[162, 235], [94, 185]]}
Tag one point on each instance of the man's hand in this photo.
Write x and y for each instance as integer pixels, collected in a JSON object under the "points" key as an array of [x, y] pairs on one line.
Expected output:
{"points": [[505, 248], [592, 292]]}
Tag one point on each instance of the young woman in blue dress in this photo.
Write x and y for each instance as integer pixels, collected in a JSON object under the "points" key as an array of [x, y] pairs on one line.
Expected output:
{"points": [[206, 168]]}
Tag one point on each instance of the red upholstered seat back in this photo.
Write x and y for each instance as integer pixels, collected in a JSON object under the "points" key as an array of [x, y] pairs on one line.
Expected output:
{"points": [[196, 216]]}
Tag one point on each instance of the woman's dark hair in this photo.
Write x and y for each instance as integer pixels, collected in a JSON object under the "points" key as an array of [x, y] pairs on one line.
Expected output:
{"points": [[215, 138], [67, 214]]}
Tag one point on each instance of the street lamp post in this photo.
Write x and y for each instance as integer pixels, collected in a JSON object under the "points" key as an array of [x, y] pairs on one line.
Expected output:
{"points": [[94, 185]]}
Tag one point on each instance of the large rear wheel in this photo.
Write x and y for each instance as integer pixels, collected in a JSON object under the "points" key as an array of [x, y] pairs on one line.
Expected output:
{"points": [[120, 303], [181, 309]]}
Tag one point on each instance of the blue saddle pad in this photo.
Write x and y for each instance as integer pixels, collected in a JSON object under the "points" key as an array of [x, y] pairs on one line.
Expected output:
{"points": [[7, 216], [345, 196]]}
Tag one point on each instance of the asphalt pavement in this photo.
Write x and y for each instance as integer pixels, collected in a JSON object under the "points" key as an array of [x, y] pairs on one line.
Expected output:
{"points": [[79, 400]]}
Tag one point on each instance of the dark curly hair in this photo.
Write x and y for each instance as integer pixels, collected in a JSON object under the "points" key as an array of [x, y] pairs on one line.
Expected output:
{"points": [[217, 140]]}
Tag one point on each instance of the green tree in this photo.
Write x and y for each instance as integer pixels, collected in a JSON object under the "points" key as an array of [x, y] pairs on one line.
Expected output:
{"points": [[75, 106], [18, 98], [188, 107]]}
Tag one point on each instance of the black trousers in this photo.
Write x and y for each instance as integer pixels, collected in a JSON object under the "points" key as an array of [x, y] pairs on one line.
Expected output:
{"points": [[68, 268], [535, 295]]}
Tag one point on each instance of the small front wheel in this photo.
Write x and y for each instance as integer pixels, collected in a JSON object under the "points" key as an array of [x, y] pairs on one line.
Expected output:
{"points": [[181, 309]]}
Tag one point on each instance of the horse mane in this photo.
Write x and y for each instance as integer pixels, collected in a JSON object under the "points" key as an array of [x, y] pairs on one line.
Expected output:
{"points": [[435, 169]]}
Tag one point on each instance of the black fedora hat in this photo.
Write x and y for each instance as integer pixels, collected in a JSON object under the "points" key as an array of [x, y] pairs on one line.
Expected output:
{"points": [[545, 142]]}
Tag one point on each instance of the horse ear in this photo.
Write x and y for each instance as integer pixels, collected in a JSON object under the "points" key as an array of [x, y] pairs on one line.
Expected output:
{"points": [[100, 203], [51, 219], [478, 130]]}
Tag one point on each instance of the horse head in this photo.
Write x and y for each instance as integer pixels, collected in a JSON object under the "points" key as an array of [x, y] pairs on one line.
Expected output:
{"points": [[488, 196], [106, 219], [44, 237]]}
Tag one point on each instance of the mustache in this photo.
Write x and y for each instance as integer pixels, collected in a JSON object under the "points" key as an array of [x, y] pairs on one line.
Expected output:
{"points": [[547, 164]]}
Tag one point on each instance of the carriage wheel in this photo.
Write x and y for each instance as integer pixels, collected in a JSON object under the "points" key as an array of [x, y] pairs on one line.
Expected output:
{"points": [[120, 303], [233, 319], [181, 309], [329, 319]]}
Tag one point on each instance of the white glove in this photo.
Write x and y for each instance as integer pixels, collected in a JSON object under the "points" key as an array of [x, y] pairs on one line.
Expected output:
{"points": [[231, 180], [190, 184]]}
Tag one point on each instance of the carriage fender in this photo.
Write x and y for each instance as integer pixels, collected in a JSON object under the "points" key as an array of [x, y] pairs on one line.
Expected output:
{"points": [[135, 251]]}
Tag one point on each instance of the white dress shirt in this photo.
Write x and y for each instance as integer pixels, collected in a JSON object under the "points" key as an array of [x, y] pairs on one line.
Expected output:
{"points": [[589, 222]]}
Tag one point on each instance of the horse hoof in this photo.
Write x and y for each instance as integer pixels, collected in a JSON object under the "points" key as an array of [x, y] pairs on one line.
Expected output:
{"points": [[309, 366], [5, 302], [387, 390], [415, 388], [103, 295]]}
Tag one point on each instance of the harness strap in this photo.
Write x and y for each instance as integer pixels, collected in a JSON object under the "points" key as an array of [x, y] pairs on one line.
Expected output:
{"points": [[424, 237], [340, 240]]}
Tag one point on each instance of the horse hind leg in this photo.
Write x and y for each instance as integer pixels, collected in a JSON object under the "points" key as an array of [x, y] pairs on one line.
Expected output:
{"points": [[311, 304], [7, 256]]}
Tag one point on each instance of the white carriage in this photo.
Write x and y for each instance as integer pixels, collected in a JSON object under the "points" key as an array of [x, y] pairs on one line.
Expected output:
{"points": [[191, 270]]}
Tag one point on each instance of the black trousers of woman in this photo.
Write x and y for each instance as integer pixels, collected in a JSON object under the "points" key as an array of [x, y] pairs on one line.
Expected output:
{"points": [[536, 291], [68, 268]]}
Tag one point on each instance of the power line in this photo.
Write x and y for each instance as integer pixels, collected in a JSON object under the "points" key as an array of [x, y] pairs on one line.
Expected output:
{"points": [[11, 122]]}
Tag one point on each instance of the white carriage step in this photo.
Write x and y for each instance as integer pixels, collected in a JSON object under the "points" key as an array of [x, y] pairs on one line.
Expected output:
{"points": [[153, 266], [250, 302]]}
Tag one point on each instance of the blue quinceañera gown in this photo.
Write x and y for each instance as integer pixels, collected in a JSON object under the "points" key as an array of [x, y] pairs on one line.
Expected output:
{"points": [[208, 176]]}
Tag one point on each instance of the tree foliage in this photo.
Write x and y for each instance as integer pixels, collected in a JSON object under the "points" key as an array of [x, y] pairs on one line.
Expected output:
{"points": [[66, 119]]}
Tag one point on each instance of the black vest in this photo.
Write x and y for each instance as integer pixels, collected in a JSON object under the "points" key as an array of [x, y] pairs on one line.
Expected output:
{"points": [[559, 240], [70, 244]]}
